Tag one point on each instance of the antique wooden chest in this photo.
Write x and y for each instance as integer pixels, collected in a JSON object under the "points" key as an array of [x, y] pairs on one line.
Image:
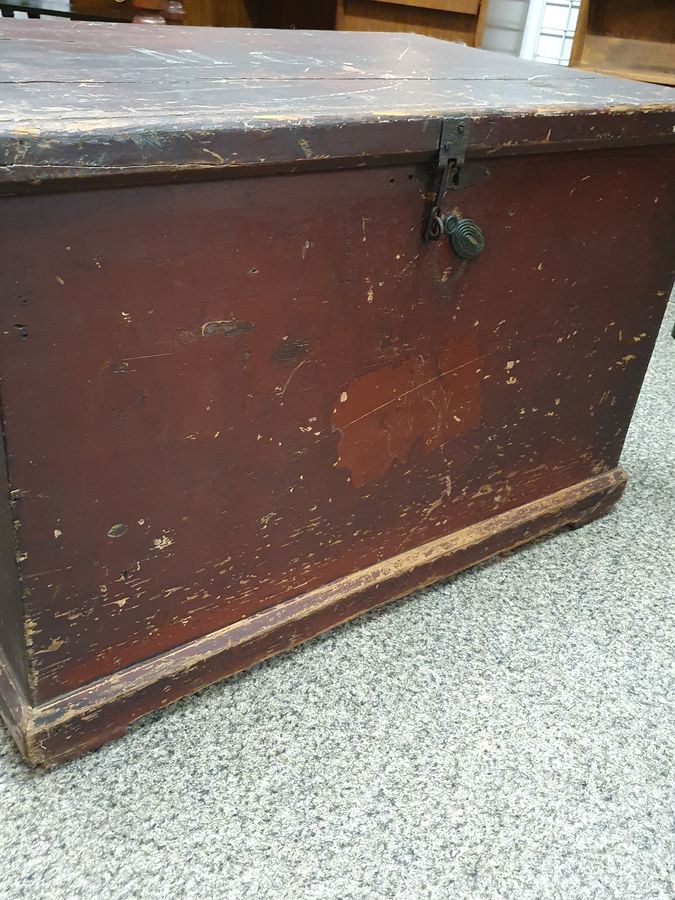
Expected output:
{"points": [[293, 324]]}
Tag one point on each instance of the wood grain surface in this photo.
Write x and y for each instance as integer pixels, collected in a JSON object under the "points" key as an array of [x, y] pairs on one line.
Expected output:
{"points": [[627, 39], [85, 718], [227, 400], [445, 19], [82, 100], [297, 385]]}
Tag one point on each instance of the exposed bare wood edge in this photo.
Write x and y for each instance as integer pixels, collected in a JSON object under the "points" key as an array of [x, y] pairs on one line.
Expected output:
{"points": [[11, 596], [89, 716], [15, 709], [91, 179], [191, 155]]}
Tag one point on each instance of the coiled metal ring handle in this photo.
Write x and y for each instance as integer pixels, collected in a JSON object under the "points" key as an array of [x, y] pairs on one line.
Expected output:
{"points": [[466, 237], [436, 225]]}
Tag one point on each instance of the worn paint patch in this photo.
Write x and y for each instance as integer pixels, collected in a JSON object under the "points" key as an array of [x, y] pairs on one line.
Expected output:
{"points": [[54, 645], [290, 351], [226, 326], [423, 400]]}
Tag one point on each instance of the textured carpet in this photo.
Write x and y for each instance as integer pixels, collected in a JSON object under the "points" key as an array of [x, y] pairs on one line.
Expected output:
{"points": [[510, 733]]}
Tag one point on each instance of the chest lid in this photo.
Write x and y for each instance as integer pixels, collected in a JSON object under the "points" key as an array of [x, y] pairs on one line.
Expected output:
{"points": [[83, 100]]}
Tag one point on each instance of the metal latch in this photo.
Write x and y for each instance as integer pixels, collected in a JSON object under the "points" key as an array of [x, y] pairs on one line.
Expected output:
{"points": [[452, 147], [465, 236]]}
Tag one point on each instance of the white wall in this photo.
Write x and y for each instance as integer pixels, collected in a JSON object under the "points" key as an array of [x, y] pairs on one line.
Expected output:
{"points": [[504, 25]]}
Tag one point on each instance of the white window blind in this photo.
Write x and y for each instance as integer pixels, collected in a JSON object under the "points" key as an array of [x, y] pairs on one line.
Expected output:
{"points": [[549, 31]]}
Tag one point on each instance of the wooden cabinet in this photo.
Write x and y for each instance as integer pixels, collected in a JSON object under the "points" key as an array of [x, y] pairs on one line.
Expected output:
{"points": [[315, 14], [454, 20], [232, 13], [628, 38]]}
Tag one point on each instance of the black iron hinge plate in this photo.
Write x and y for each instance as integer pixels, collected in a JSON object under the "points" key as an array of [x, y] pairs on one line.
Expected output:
{"points": [[452, 148]]}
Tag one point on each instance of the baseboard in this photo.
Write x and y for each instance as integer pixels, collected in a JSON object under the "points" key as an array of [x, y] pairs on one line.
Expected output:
{"points": [[89, 716]]}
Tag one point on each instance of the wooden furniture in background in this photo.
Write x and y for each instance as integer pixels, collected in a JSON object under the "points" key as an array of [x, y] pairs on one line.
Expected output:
{"points": [[85, 11], [454, 20], [311, 14], [158, 12], [145, 12], [627, 38]]}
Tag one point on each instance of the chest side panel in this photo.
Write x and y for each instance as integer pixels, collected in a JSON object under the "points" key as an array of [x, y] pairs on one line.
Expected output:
{"points": [[221, 395]]}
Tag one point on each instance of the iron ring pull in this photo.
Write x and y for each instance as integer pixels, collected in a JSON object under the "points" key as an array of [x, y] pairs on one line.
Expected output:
{"points": [[436, 226]]}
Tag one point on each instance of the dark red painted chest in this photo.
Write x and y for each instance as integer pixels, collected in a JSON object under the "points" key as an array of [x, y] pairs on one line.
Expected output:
{"points": [[244, 397]]}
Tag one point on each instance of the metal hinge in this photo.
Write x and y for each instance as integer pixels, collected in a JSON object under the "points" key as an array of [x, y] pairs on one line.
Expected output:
{"points": [[451, 154]]}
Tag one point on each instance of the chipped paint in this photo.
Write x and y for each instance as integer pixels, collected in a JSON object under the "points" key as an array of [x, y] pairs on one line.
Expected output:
{"points": [[199, 490], [54, 644], [226, 326], [83, 717]]}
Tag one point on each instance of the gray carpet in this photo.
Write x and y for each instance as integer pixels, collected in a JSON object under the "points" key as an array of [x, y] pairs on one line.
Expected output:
{"points": [[510, 734]]}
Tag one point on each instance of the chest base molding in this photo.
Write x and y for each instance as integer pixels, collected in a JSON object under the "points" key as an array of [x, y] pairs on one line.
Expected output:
{"points": [[86, 718]]}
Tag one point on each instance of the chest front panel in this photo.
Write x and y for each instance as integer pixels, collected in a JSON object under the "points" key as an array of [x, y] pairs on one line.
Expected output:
{"points": [[220, 395]]}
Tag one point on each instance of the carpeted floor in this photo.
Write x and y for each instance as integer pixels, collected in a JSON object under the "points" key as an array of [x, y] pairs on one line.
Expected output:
{"points": [[510, 734]]}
